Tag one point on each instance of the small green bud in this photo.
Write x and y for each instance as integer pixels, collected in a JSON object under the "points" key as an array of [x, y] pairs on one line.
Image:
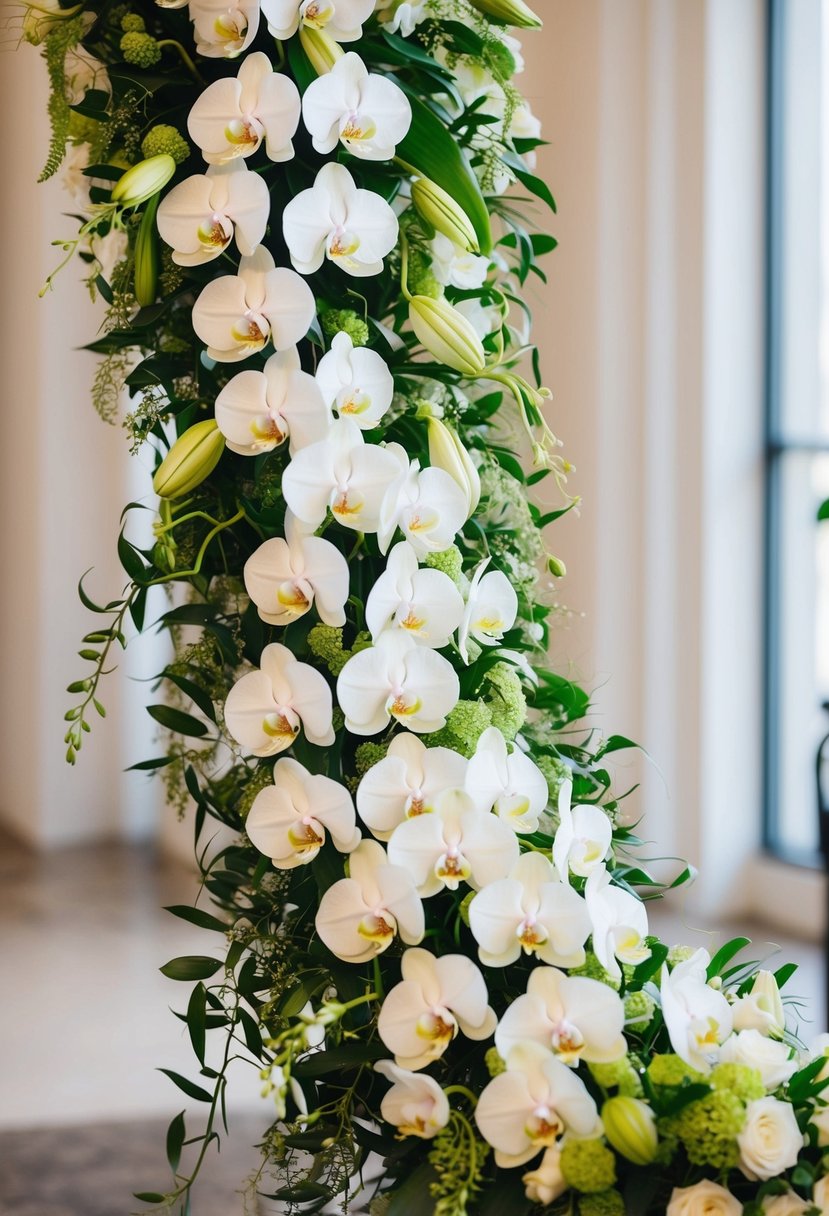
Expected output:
{"points": [[447, 335], [630, 1127], [556, 566], [191, 459], [494, 1062], [140, 49], [143, 180], [162, 138], [441, 212], [344, 320], [511, 12]]}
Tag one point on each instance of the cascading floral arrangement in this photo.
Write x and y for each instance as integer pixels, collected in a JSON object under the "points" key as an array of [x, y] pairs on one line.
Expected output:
{"points": [[440, 967]]}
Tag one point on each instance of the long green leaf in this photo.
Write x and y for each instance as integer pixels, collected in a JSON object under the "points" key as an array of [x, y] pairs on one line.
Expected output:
{"points": [[191, 967], [178, 721]]}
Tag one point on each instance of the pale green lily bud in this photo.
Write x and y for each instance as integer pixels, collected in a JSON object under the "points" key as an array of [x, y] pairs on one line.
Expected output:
{"points": [[193, 456], [512, 12], [762, 1009], [447, 334], [146, 256], [442, 213], [448, 453], [556, 566], [322, 51], [630, 1128], [143, 180]]}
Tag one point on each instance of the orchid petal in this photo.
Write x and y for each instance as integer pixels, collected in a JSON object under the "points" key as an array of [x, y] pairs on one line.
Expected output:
{"points": [[356, 383], [407, 781]]}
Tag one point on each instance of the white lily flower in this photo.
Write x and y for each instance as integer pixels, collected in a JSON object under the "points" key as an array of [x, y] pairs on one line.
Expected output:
{"points": [[427, 505], [288, 820], [265, 708], [583, 839], [532, 1104], [491, 609], [355, 382], [423, 602], [574, 1017], [484, 319], [360, 916], [341, 472], [406, 783], [416, 1105], [367, 113], [353, 228], [530, 910], [404, 16], [233, 115], [453, 844], [284, 578], [436, 998], [257, 411], [200, 216], [508, 783], [398, 679], [237, 314], [697, 1017], [341, 20], [619, 923], [223, 29], [456, 267]]}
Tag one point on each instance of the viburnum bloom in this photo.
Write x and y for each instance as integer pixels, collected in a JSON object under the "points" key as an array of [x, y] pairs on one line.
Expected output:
{"points": [[355, 229], [529, 911], [288, 820], [491, 609], [416, 1105], [453, 844], [360, 916], [285, 577], [238, 314], [199, 217], [427, 505], [583, 839], [531, 1105], [367, 113], [508, 783], [265, 708], [619, 923], [436, 998], [697, 1017], [223, 29], [574, 1017], [355, 382], [423, 602], [406, 783], [398, 679], [233, 115], [341, 20], [257, 411], [342, 473]]}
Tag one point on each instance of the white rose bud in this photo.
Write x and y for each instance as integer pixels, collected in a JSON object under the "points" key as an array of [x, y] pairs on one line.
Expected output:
{"points": [[546, 1182], [704, 1199], [770, 1140], [785, 1205], [774, 1061]]}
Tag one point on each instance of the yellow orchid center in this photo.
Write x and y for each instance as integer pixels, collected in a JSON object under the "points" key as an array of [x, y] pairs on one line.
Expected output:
{"points": [[436, 1028], [345, 506], [291, 596], [544, 1128], [242, 133], [357, 402], [357, 127], [489, 624], [452, 869], [230, 27], [277, 726], [316, 14], [566, 1041], [213, 235], [304, 838], [248, 332], [531, 935], [399, 707], [377, 930], [266, 430], [412, 621]]}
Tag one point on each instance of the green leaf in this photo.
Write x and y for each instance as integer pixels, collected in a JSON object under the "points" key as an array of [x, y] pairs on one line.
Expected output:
{"points": [[149, 766], [725, 954], [414, 1197], [197, 916], [196, 1014], [191, 967], [783, 974], [823, 511], [298, 997], [196, 694], [131, 560], [340, 1059], [649, 967], [187, 1087], [178, 721], [148, 1196], [175, 1141]]}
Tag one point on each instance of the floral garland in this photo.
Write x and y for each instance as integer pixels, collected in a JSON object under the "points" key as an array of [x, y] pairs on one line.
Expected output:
{"points": [[437, 956]]}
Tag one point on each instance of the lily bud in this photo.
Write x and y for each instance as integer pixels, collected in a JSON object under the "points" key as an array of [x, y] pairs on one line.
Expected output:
{"points": [[511, 12], [146, 256], [447, 334], [630, 1128], [322, 51], [440, 210], [193, 456], [143, 180], [556, 566], [448, 453], [762, 1008]]}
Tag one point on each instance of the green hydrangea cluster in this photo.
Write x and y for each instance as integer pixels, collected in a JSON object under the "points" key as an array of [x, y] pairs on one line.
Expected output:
{"points": [[679, 954], [593, 970], [744, 1082], [671, 1070], [344, 320], [449, 561], [367, 755], [620, 1074], [588, 1166], [515, 541], [140, 49], [639, 1010], [554, 771], [505, 699], [421, 278], [606, 1203], [163, 139], [326, 644], [708, 1129]]}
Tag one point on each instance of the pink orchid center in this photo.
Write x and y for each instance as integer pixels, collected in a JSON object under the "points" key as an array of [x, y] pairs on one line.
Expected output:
{"points": [[316, 13]]}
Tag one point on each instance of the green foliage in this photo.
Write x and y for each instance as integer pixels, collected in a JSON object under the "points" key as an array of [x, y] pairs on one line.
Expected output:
{"points": [[59, 40]]}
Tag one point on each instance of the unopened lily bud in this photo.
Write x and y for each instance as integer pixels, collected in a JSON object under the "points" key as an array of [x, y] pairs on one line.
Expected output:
{"points": [[193, 456], [143, 180], [146, 256], [447, 334], [322, 51], [442, 213], [762, 1008], [448, 453], [630, 1128], [511, 12]]}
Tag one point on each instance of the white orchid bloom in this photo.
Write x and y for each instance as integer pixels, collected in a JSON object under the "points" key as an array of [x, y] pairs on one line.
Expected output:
{"points": [[619, 923], [453, 844], [237, 314], [288, 820], [398, 679], [200, 216], [574, 1017], [508, 783], [436, 998], [341, 20], [404, 16], [223, 29], [423, 602], [360, 916], [355, 382], [427, 505], [529, 910], [233, 115], [265, 708], [697, 1017], [406, 783], [456, 267], [257, 411], [583, 839], [342, 473], [484, 319], [367, 113], [285, 577], [527, 1108], [355, 229], [416, 1105], [491, 609]]}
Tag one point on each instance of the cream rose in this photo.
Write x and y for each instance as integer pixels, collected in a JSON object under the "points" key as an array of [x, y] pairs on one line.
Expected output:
{"points": [[704, 1199], [820, 1195], [770, 1140], [546, 1182], [820, 1121], [774, 1061], [785, 1205]]}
